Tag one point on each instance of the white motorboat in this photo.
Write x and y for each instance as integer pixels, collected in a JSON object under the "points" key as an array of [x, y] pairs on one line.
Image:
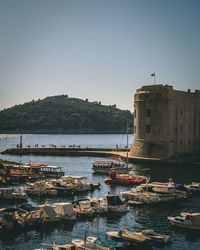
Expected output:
{"points": [[186, 220], [153, 193], [89, 207], [105, 167], [113, 203], [194, 188]]}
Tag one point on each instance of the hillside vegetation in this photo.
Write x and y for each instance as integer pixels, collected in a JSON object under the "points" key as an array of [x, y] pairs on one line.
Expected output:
{"points": [[61, 114]]}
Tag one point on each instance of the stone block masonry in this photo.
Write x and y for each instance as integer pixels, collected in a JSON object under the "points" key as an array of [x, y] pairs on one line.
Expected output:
{"points": [[166, 122]]}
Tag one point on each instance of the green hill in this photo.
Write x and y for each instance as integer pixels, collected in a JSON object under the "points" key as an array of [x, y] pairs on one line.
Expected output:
{"points": [[60, 114]]}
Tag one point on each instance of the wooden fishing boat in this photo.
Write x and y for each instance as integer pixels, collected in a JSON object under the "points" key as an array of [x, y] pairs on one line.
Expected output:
{"points": [[144, 237], [129, 236]]}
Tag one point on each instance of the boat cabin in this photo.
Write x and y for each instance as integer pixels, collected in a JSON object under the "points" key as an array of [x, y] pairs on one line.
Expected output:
{"points": [[105, 166]]}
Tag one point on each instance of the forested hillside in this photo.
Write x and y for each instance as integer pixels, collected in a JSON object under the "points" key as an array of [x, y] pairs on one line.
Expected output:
{"points": [[61, 114]]}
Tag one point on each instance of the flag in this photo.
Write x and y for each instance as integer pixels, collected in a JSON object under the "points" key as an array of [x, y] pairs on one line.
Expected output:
{"points": [[153, 74]]}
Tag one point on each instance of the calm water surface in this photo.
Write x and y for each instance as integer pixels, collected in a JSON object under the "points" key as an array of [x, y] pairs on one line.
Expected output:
{"points": [[149, 217]]}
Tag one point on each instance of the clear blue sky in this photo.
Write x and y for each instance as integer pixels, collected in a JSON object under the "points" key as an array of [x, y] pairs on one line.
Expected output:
{"points": [[102, 50]]}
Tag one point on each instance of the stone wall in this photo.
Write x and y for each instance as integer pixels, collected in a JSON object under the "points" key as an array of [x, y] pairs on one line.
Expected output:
{"points": [[166, 122]]}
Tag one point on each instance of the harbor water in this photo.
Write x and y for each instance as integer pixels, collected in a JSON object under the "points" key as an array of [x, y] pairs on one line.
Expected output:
{"points": [[151, 217]]}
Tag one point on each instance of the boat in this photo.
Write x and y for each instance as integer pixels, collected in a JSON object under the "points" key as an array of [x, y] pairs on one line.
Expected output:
{"points": [[125, 179], [152, 193], [64, 210], [186, 220], [11, 194], [23, 173], [15, 174], [47, 171], [194, 188], [83, 209], [144, 237], [113, 203], [12, 219], [126, 235], [155, 237], [41, 188], [89, 207], [56, 212], [99, 243], [77, 183], [105, 167], [19, 218], [63, 246]]}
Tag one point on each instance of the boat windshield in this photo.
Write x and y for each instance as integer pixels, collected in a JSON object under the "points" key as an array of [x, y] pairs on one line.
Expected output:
{"points": [[114, 200]]}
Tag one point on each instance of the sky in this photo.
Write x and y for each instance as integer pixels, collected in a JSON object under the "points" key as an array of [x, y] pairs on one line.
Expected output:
{"points": [[102, 50]]}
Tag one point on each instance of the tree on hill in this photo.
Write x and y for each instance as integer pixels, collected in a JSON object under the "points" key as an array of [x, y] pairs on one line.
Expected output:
{"points": [[61, 114]]}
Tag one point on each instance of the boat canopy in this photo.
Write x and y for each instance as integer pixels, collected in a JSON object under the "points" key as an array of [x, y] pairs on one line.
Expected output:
{"points": [[103, 162], [66, 177]]}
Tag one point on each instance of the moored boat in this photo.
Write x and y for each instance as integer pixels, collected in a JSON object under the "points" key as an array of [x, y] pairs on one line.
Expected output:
{"points": [[126, 235], [125, 179], [41, 188], [105, 167], [186, 220], [89, 207], [155, 237], [11, 194], [113, 203], [77, 183], [14, 173], [194, 188], [96, 243], [144, 237], [151, 193]]}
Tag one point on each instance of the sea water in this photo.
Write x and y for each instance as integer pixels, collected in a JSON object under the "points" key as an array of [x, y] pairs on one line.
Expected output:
{"points": [[151, 217]]}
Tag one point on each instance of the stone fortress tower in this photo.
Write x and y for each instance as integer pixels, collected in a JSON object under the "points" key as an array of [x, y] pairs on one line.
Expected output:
{"points": [[166, 122]]}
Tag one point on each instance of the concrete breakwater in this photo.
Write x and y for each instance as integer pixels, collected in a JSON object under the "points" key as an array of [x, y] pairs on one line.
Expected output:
{"points": [[120, 154], [63, 151]]}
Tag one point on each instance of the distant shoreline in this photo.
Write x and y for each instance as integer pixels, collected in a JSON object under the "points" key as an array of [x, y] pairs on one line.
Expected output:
{"points": [[63, 132]]}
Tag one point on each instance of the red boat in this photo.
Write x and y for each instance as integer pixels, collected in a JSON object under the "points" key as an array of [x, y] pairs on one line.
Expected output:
{"points": [[125, 179], [23, 173]]}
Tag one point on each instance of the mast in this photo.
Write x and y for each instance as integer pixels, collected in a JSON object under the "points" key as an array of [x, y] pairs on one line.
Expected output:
{"points": [[127, 145], [20, 144]]}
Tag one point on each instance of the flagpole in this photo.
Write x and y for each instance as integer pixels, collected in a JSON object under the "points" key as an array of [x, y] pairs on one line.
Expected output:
{"points": [[154, 77]]}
